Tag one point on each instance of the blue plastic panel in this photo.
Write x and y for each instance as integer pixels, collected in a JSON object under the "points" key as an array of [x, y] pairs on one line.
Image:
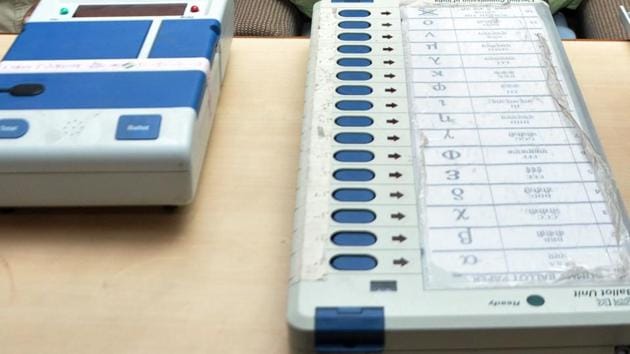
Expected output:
{"points": [[354, 62], [353, 175], [354, 24], [353, 238], [354, 195], [349, 329], [354, 156], [108, 90], [354, 90], [354, 37], [354, 49], [354, 121], [186, 39], [354, 262], [354, 75], [354, 105], [354, 138], [354, 13], [79, 40], [354, 216]]}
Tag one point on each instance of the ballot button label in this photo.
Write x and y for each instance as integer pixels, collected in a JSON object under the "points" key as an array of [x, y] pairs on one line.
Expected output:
{"points": [[138, 127], [13, 128]]}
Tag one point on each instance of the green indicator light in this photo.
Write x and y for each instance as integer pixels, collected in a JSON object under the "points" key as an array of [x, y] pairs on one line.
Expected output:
{"points": [[63, 11], [535, 300]]}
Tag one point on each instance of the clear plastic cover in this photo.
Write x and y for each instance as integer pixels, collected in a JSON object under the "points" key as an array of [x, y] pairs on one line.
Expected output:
{"points": [[513, 187]]}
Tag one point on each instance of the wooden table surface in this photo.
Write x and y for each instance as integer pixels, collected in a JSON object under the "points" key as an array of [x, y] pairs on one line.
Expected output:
{"points": [[212, 277]]}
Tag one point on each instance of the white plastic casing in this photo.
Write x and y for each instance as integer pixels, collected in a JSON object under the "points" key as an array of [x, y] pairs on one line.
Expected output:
{"points": [[72, 157], [573, 320]]}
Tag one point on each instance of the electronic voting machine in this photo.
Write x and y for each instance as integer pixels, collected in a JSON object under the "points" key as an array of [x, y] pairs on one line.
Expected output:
{"points": [[453, 196], [111, 102]]}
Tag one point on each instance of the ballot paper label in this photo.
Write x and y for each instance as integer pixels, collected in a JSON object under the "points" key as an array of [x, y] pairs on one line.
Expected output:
{"points": [[512, 192]]}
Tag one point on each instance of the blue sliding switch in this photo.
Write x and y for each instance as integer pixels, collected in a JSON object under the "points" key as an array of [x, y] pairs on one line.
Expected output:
{"points": [[354, 24], [357, 262], [354, 37], [354, 121], [354, 195], [354, 105], [353, 175], [354, 90], [354, 62], [354, 138], [354, 156], [354, 216], [354, 13], [354, 75], [354, 49], [353, 238]]}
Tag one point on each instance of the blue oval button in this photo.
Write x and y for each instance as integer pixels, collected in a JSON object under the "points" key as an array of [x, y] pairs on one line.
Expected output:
{"points": [[13, 128], [354, 49], [354, 195], [354, 24], [354, 156], [354, 105], [354, 216], [354, 138], [353, 238], [354, 75], [354, 90], [354, 121], [354, 13], [356, 62], [353, 175], [354, 37], [353, 262]]}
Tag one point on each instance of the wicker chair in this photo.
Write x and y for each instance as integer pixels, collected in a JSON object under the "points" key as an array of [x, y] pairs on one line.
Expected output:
{"points": [[598, 19], [268, 18]]}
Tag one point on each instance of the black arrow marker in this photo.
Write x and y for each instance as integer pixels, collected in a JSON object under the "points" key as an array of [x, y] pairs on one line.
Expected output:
{"points": [[390, 76], [396, 195], [386, 13], [399, 238], [392, 121], [390, 90], [401, 262], [391, 105], [387, 24], [395, 175], [388, 49], [388, 36], [388, 62], [399, 216], [393, 138]]}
